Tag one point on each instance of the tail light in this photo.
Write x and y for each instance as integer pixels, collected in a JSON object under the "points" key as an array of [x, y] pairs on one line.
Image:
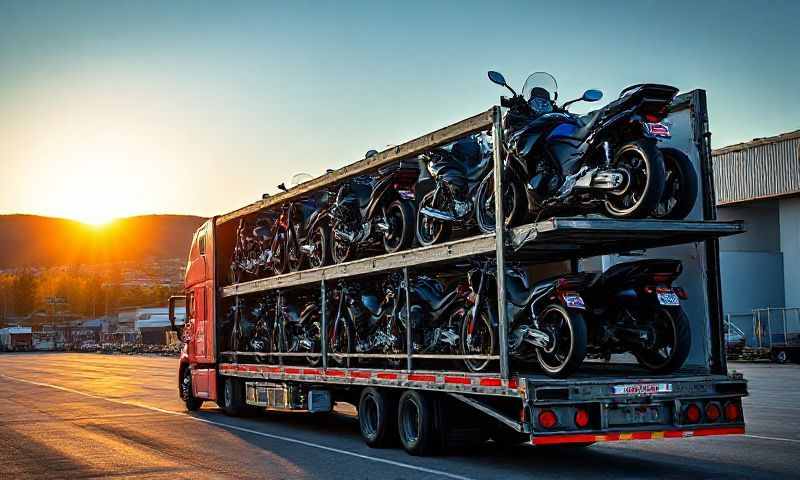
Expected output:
{"points": [[713, 412], [652, 118], [692, 414], [581, 418], [680, 292], [548, 419], [732, 412]]}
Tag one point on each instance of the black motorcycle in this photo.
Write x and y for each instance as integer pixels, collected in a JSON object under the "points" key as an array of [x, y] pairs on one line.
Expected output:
{"points": [[545, 320], [633, 307], [436, 315], [448, 180], [297, 331], [376, 210], [368, 323], [308, 233], [253, 254], [606, 161]]}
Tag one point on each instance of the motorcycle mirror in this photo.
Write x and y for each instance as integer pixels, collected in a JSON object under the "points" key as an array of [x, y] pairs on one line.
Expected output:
{"points": [[498, 78], [282, 186], [592, 95], [370, 153]]}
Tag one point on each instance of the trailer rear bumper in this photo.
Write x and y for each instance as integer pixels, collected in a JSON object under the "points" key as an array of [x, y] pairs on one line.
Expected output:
{"points": [[559, 439]]}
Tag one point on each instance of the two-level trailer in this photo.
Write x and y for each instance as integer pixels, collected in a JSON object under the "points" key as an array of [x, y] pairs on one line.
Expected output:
{"points": [[427, 398]]}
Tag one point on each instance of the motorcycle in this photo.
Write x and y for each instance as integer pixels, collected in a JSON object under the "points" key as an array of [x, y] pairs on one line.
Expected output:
{"points": [[366, 324], [435, 313], [604, 162], [545, 321], [633, 307], [254, 249], [296, 331], [448, 179], [307, 235], [370, 210]]}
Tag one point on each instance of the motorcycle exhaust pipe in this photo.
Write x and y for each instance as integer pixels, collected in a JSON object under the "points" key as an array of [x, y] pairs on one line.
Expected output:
{"points": [[307, 249], [536, 337], [437, 214], [348, 237]]}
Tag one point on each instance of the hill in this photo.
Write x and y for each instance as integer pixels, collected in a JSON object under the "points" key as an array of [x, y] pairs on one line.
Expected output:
{"points": [[34, 241]]}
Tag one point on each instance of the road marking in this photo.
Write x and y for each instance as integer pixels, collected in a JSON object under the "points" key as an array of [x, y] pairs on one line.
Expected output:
{"points": [[247, 430], [777, 439]]}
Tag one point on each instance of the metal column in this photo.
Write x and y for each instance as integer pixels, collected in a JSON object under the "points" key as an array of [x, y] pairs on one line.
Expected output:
{"points": [[323, 304], [409, 343], [499, 231]]}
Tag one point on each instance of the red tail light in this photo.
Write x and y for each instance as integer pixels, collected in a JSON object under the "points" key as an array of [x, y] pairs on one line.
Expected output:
{"points": [[732, 412], [680, 292], [692, 414], [548, 419], [713, 412], [651, 118], [581, 418]]}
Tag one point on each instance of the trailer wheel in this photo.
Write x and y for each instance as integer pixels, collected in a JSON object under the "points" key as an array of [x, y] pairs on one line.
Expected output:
{"points": [[192, 403], [233, 397], [415, 423], [780, 356], [377, 411]]}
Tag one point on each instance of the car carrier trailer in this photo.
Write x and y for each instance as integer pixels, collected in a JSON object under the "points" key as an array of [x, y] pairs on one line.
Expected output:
{"points": [[437, 406]]}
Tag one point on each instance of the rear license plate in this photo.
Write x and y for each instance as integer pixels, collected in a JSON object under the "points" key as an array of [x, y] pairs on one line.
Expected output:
{"points": [[659, 130], [642, 388], [573, 300], [669, 299]]}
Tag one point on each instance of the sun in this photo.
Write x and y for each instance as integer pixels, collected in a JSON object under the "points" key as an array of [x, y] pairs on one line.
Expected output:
{"points": [[96, 220]]}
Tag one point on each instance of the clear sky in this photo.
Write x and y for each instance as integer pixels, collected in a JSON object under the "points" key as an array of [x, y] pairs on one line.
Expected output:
{"points": [[114, 108]]}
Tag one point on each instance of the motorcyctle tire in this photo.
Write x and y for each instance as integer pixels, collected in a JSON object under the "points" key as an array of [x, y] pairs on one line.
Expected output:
{"points": [[440, 230], [680, 186], [321, 238], [643, 189], [400, 216], [294, 258], [573, 339], [341, 251], [280, 261], [515, 206], [681, 341], [483, 326], [341, 342]]}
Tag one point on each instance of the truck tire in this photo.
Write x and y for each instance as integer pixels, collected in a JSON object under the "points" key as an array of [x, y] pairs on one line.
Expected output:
{"points": [[192, 403], [415, 422], [233, 397], [377, 411]]}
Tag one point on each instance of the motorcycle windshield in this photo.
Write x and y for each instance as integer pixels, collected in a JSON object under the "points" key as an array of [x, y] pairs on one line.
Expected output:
{"points": [[541, 80]]}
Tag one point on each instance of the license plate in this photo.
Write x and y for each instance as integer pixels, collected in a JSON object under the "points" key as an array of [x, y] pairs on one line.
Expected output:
{"points": [[669, 299], [659, 130], [573, 300], [642, 388]]}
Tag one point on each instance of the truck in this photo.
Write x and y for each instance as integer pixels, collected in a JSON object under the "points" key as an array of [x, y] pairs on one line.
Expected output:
{"points": [[16, 339], [424, 400]]}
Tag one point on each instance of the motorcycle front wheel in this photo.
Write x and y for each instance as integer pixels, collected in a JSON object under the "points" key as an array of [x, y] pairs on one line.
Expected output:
{"points": [[280, 263], [320, 239], [514, 204], [341, 341], [430, 230], [400, 217], [680, 186], [315, 332], [641, 191], [567, 350], [293, 256], [672, 343], [478, 338]]}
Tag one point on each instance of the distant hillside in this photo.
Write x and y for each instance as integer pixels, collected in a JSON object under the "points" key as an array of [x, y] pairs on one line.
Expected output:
{"points": [[30, 240]]}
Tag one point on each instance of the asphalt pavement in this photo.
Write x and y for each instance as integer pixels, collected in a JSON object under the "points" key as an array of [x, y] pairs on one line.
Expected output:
{"points": [[66, 415]]}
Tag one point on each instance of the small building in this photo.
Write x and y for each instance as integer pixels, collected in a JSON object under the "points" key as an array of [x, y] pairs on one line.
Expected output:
{"points": [[153, 323], [16, 339]]}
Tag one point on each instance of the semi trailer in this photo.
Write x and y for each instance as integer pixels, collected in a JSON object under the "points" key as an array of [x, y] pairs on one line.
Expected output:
{"points": [[426, 401]]}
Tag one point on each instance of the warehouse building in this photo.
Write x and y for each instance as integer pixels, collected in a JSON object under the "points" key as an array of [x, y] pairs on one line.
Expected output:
{"points": [[759, 182]]}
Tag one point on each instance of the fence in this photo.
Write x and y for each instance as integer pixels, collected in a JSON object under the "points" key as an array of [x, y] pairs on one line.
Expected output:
{"points": [[764, 327]]}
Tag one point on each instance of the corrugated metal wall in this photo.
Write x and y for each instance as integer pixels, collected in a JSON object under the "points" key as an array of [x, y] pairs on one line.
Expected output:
{"points": [[758, 171]]}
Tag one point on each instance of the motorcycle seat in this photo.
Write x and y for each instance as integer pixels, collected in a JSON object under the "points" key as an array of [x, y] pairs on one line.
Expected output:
{"points": [[361, 192], [519, 294]]}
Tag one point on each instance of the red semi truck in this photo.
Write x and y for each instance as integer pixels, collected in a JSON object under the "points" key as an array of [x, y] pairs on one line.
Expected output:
{"points": [[433, 404]]}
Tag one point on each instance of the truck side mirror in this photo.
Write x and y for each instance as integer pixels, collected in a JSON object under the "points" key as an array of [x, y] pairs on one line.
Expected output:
{"points": [[172, 301]]}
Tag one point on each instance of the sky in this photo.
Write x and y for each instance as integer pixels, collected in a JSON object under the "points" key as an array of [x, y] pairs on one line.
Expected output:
{"points": [[117, 108]]}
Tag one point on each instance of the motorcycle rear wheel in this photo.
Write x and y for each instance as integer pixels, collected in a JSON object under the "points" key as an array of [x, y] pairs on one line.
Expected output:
{"points": [[430, 231], [680, 186], [643, 188], [341, 251], [293, 255], [280, 262], [515, 205], [400, 216], [569, 347], [341, 342], [320, 238], [673, 340]]}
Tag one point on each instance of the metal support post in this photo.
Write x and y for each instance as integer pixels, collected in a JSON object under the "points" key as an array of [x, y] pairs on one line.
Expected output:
{"points": [[499, 230], [409, 343], [323, 301]]}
